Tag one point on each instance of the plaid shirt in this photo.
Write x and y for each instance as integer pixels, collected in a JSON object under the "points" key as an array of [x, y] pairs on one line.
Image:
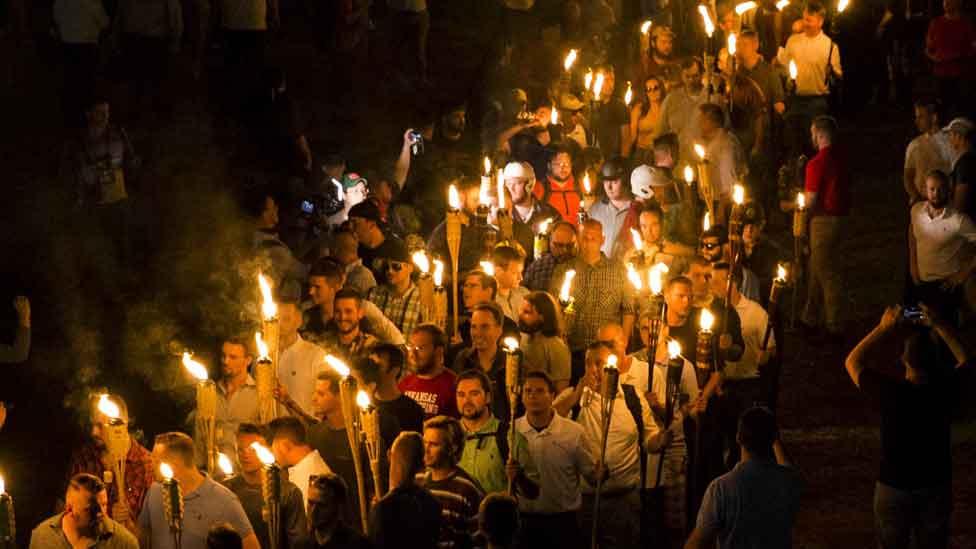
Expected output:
{"points": [[601, 294], [403, 311], [138, 473], [539, 272]]}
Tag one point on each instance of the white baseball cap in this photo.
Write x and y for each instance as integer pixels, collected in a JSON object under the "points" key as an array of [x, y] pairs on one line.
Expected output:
{"points": [[960, 125], [640, 182], [520, 170]]}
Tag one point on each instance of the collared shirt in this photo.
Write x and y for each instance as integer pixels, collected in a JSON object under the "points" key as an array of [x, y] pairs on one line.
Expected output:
{"points": [[49, 535], [726, 163], [403, 310], [359, 278], [548, 354], [612, 220], [827, 175], [601, 294], [80, 21], [241, 407], [210, 503], [753, 505], [299, 365], [299, 473], [623, 453], [679, 114], [753, 320], [294, 526], [511, 304], [811, 56], [539, 273], [940, 241], [482, 457], [559, 447], [138, 472], [467, 359], [927, 152]]}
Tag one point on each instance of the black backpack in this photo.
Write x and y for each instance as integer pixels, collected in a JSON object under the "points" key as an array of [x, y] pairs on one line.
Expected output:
{"points": [[632, 400]]}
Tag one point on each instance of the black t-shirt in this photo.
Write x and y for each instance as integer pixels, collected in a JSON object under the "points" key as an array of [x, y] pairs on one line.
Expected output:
{"points": [[409, 415], [333, 446], [915, 424], [406, 516], [293, 523], [964, 173], [609, 117], [687, 334]]}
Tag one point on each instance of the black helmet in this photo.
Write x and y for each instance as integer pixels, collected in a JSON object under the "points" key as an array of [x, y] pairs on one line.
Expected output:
{"points": [[615, 168]]}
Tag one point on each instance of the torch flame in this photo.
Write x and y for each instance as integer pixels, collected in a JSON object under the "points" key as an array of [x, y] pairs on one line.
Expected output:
{"points": [[634, 277], [362, 400], [567, 285], [501, 189], [732, 41], [196, 369], [484, 198], [744, 7], [707, 19], [544, 226], [842, 5], [645, 27], [706, 320], [453, 198], [700, 151], [674, 349], [420, 260], [587, 188], [262, 346], [689, 175], [655, 278], [598, 86], [570, 59], [781, 273], [511, 344], [3, 486], [801, 200], [782, 4], [225, 464], [107, 407], [263, 453], [488, 267], [588, 79], [166, 470], [793, 70], [269, 309], [612, 361], [738, 194], [707, 221], [554, 116], [338, 365], [438, 272], [636, 237], [487, 166], [629, 95]]}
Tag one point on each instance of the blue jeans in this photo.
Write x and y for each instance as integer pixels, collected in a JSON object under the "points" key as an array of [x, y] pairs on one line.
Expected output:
{"points": [[923, 514]]}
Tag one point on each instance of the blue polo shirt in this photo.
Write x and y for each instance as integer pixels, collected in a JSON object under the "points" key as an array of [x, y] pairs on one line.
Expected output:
{"points": [[209, 504]]}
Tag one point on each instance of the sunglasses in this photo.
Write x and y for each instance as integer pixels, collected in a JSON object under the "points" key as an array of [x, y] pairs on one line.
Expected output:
{"points": [[653, 89]]}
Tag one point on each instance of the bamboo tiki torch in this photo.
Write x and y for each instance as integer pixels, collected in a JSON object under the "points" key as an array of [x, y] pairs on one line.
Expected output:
{"points": [[440, 296], [703, 347], [672, 385], [779, 283], [513, 385], [270, 330], [800, 216], [117, 442], [639, 258], [487, 235], [453, 233], [206, 408], [735, 247], [588, 199], [565, 292], [369, 418], [608, 395], [689, 175], [424, 284], [8, 527], [658, 306], [270, 492], [503, 217], [540, 244], [265, 379], [172, 503], [347, 395], [705, 180]]}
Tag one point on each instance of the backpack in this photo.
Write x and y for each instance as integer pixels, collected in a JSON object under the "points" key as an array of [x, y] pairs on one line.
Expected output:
{"points": [[501, 439], [632, 401]]}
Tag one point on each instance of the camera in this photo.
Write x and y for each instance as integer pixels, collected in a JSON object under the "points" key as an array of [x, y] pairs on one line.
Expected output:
{"points": [[308, 207], [912, 314], [416, 143]]}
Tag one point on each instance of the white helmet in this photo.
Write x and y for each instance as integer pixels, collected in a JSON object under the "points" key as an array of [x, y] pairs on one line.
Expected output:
{"points": [[521, 170], [640, 182]]}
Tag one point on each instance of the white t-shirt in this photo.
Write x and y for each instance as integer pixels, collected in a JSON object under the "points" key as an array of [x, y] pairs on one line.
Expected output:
{"points": [[940, 241], [811, 56], [298, 366], [753, 319], [927, 152]]}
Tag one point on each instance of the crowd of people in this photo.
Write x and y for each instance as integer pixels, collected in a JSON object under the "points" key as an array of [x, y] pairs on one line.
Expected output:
{"points": [[609, 216]]}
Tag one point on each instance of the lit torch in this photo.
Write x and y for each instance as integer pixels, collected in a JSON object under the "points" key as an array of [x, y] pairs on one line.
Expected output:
{"points": [[703, 348], [117, 441], [735, 218], [172, 502], [705, 179], [540, 245], [638, 242], [206, 407], [570, 60], [271, 492], [424, 284], [513, 385], [707, 20], [588, 199], [608, 394], [800, 216], [598, 86], [347, 397], [8, 527], [369, 418], [793, 74], [742, 8], [270, 331], [588, 79], [634, 277], [629, 94], [225, 464], [565, 297], [266, 379], [658, 306], [440, 296], [453, 234], [779, 283], [781, 5], [503, 218]]}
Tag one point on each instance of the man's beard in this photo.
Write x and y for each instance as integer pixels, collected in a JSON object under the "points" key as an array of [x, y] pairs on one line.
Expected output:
{"points": [[666, 57], [346, 328], [472, 415], [529, 328]]}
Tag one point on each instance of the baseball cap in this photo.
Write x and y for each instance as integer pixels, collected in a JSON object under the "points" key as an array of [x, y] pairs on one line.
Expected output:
{"points": [[961, 125], [613, 168], [396, 250], [569, 102], [366, 209], [352, 179]]}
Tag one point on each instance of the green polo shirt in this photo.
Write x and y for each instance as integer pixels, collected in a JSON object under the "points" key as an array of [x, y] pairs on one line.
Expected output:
{"points": [[49, 535], [482, 458]]}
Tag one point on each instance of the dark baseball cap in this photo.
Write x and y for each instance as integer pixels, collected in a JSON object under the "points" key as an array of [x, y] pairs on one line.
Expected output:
{"points": [[366, 209]]}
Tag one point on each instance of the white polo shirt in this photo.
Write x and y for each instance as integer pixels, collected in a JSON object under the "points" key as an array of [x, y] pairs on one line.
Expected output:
{"points": [[753, 319], [299, 365], [299, 473], [940, 241], [560, 449]]}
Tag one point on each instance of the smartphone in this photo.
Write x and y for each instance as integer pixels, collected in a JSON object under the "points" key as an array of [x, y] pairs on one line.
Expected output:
{"points": [[416, 143], [308, 206], [912, 314]]}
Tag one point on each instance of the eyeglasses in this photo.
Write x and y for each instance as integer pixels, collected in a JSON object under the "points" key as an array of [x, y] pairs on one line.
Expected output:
{"points": [[653, 89]]}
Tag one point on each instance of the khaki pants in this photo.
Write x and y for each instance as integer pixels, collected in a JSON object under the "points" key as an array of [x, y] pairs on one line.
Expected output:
{"points": [[825, 283]]}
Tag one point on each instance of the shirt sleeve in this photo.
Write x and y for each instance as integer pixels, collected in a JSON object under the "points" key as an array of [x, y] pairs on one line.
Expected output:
{"points": [[835, 61], [296, 525], [385, 330], [709, 515], [237, 518]]}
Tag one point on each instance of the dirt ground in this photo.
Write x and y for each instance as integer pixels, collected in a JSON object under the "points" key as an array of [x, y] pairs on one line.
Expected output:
{"points": [[181, 210]]}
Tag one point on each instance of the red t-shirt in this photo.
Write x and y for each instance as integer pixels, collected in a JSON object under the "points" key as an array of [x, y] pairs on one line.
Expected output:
{"points": [[827, 175], [952, 39], [435, 395], [562, 196]]}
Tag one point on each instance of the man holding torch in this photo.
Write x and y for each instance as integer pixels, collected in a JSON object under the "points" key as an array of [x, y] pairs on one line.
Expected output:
{"points": [[237, 396], [83, 522], [204, 501]]}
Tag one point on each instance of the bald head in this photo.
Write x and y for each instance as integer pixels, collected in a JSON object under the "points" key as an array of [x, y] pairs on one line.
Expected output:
{"points": [[613, 335]]}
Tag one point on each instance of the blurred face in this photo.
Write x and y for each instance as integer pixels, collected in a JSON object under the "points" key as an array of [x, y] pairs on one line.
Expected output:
{"points": [[511, 276], [608, 85], [751, 234], [700, 276], [812, 23], [347, 315], [324, 401], [361, 227], [456, 121], [664, 45], [561, 167], [707, 126], [691, 77], [595, 361], [613, 336], [529, 321], [78, 503], [650, 226], [644, 327], [924, 120], [561, 242], [679, 300], [473, 293], [591, 239], [542, 114], [472, 400], [399, 272], [484, 331], [320, 290], [517, 188], [747, 47], [289, 318], [422, 356], [711, 249], [654, 90], [323, 510], [614, 189], [718, 283], [233, 359], [435, 449], [246, 455], [536, 396], [936, 192]]}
